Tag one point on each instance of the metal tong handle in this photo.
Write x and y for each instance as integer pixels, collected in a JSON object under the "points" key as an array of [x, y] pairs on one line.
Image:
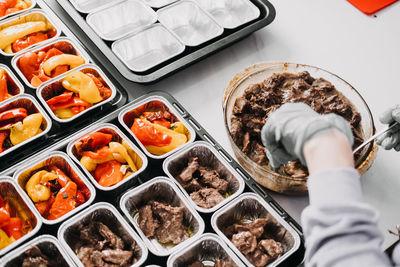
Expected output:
{"points": [[372, 138]]}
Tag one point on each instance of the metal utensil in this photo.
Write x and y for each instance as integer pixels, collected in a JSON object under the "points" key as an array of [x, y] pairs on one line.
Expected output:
{"points": [[372, 138]]}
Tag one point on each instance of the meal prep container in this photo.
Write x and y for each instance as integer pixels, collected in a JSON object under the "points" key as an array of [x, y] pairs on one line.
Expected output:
{"points": [[28, 16], [32, 5], [8, 187], [79, 51], [195, 29], [126, 120], [47, 244], [17, 87], [143, 50], [62, 161], [107, 214], [118, 135], [46, 91], [191, 24], [208, 157], [154, 169], [32, 106], [114, 22], [163, 190], [252, 206], [258, 73], [230, 13], [206, 249]]}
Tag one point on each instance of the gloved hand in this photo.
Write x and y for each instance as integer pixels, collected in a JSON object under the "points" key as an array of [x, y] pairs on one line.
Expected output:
{"points": [[390, 139], [289, 127]]}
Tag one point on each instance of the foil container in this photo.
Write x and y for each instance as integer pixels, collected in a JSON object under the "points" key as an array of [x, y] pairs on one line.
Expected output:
{"points": [[207, 249], [189, 22], [62, 161], [32, 106], [8, 187], [207, 157], [35, 14], [146, 49], [230, 14], [106, 213], [32, 5], [163, 190], [158, 3], [47, 244], [252, 206], [13, 85], [114, 22], [54, 87], [118, 136], [89, 6], [79, 51], [126, 119]]}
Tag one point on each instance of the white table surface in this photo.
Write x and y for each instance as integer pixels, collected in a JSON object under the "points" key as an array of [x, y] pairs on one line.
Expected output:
{"points": [[331, 34], [363, 50]]}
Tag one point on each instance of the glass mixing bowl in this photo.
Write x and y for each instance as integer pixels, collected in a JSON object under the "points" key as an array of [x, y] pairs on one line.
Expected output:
{"points": [[263, 174]]}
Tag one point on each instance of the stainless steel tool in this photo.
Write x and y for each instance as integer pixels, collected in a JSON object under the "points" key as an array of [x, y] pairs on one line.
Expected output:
{"points": [[375, 136]]}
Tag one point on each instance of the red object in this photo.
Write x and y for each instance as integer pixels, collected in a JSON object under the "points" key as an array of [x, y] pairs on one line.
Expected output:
{"points": [[13, 228], [75, 101], [4, 214], [149, 135], [369, 7], [62, 179], [64, 201], [3, 137], [3, 87], [108, 173], [80, 198], [95, 140], [29, 40], [15, 113], [64, 97]]}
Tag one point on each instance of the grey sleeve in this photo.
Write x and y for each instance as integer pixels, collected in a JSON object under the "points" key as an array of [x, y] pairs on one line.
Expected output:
{"points": [[340, 229]]}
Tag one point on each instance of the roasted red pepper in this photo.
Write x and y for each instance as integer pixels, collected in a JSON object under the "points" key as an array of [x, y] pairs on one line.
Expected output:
{"points": [[15, 113], [64, 201], [108, 173], [95, 140], [29, 40], [13, 228], [74, 101], [64, 97], [4, 214], [3, 87], [80, 198], [148, 135], [3, 137], [98, 154], [62, 179]]}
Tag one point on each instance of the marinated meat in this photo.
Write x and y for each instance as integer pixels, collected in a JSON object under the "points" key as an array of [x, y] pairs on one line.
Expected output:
{"points": [[212, 178], [253, 108], [204, 184], [197, 264], [256, 227], [207, 197], [102, 247], [250, 239], [147, 222], [245, 241], [171, 227], [273, 248], [35, 258], [187, 173], [258, 258]]}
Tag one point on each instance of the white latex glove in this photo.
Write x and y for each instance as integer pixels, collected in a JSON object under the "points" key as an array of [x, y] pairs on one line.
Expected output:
{"points": [[290, 126], [390, 139]]}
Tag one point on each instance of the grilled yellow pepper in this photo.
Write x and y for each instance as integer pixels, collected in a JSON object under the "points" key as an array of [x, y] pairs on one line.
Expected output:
{"points": [[82, 84], [178, 139], [64, 59], [15, 32], [35, 188], [5, 240], [26, 129]]}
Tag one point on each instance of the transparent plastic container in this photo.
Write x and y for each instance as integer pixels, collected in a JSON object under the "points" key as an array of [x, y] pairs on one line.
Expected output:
{"points": [[263, 174], [190, 23], [146, 49]]}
